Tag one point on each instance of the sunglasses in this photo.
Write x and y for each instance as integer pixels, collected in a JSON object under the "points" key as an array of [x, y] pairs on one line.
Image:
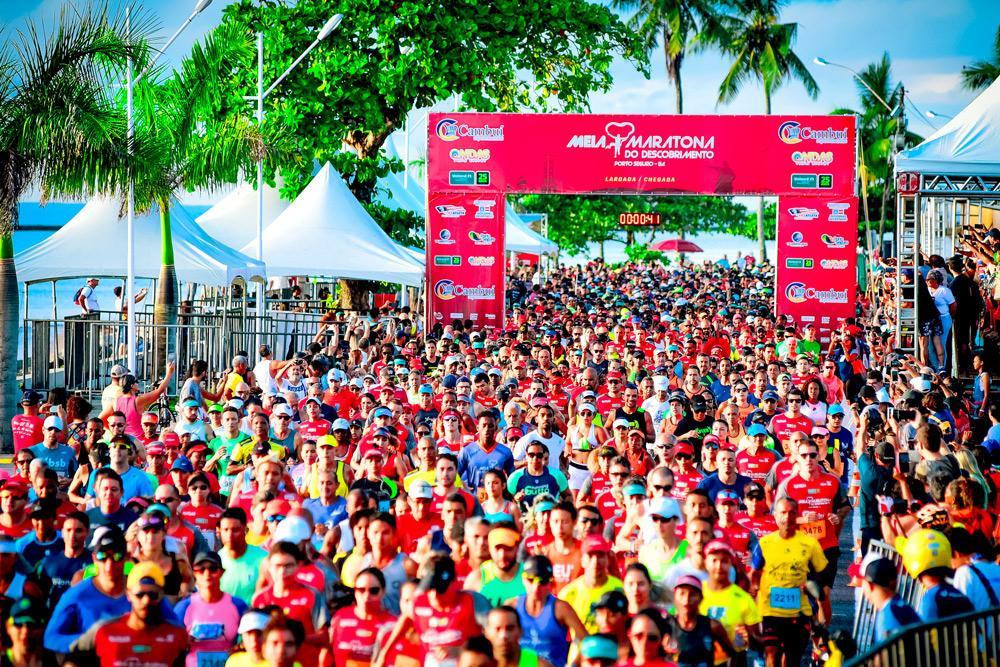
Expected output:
{"points": [[685, 456], [538, 581], [619, 474], [152, 596], [166, 501], [810, 455], [450, 419], [663, 519], [116, 424], [198, 488], [794, 400], [276, 517], [24, 462], [590, 520], [212, 569], [149, 423], [666, 488], [284, 418], [115, 556], [373, 590], [646, 636]]}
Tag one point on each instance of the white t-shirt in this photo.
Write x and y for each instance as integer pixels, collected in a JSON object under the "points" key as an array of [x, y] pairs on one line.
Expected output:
{"points": [[554, 443], [299, 389], [262, 372], [943, 298], [88, 296]]}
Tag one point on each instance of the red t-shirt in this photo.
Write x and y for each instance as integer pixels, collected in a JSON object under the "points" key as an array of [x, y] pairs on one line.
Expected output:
{"points": [[118, 645], [684, 482], [607, 505], [353, 639], [438, 501], [756, 466], [17, 530], [305, 605], [606, 403], [821, 495], [783, 426], [314, 430], [204, 518], [27, 431], [738, 537], [345, 401], [760, 525], [410, 530], [444, 628]]}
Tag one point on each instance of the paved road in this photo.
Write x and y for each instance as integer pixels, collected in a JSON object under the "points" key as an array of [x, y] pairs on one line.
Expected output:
{"points": [[842, 596]]}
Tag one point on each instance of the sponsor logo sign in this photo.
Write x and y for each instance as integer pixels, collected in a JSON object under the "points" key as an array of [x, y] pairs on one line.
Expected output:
{"points": [[793, 132]]}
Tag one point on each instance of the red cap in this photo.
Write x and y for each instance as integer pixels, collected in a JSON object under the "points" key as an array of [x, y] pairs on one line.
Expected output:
{"points": [[171, 439], [684, 448], [15, 487], [277, 506], [595, 543], [717, 546], [155, 449], [615, 374], [451, 412], [196, 446]]}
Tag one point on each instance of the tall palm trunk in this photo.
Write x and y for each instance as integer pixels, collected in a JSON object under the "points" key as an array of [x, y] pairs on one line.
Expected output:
{"points": [[9, 318], [165, 308]]}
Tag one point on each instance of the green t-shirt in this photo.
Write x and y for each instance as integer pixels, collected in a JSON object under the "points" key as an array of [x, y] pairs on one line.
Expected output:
{"points": [[231, 445], [239, 577], [809, 348]]}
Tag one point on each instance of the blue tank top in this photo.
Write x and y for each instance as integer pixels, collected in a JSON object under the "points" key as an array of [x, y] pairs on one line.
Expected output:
{"points": [[978, 392], [502, 515], [543, 634]]}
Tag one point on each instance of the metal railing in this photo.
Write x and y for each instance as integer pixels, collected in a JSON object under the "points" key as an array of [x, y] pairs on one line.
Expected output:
{"points": [[969, 640], [907, 588]]}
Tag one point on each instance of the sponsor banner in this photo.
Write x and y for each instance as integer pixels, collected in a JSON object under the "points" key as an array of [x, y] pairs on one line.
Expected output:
{"points": [[465, 257], [817, 260], [583, 153]]}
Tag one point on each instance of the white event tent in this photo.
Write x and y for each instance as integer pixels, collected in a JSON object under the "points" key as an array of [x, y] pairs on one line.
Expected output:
{"points": [[233, 220], [94, 243], [522, 238], [327, 232], [967, 145]]}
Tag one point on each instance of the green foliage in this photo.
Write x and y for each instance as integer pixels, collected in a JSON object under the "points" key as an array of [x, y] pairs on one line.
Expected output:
{"points": [[576, 221], [981, 74], [640, 252], [747, 227], [761, 49], [877, 128], [389, 56]]}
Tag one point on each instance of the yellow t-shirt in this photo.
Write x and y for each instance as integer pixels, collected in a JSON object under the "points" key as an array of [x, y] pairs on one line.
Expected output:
{"points": [[428, 476], [233, 380], [732, 607], [242, 453], [581, 597], [785, 565]]}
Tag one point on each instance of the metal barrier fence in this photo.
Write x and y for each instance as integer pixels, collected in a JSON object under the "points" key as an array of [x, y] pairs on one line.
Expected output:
{"points": [[969, 640], [77, 352], [907, 588]]}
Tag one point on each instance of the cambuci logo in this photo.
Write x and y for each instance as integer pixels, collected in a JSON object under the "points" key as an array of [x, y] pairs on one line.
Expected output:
{"points": [[449, 129], [792, 132], [799, 293], [446, 290]]}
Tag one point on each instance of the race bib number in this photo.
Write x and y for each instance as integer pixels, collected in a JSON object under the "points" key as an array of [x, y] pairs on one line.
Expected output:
{"points": [[815, 529], [212, 658], [785, 598]]}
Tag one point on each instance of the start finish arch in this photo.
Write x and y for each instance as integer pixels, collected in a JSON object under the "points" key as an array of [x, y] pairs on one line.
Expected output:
{"points": [[474, 160]]}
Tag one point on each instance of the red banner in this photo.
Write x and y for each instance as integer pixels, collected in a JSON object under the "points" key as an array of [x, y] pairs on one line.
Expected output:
{"points": [[465, 258], [817, 260], [580, 153]]}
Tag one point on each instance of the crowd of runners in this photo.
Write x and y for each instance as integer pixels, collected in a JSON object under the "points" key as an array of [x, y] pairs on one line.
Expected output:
{"points": [[643, 466]]}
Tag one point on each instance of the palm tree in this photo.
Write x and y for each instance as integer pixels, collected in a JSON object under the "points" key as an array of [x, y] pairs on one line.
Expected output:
{"points": [[981, 74], [877, 129], [59, 130], [761, 49], [672, 22], [183, 145]]}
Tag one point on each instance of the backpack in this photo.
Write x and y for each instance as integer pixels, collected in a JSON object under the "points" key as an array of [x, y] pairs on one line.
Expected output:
{"points": [[77, 297]]}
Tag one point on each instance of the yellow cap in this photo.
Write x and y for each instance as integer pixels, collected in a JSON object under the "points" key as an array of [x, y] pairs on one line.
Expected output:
{"points": [[145, 572]]}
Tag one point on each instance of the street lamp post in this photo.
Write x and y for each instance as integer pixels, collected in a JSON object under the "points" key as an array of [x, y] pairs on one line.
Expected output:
{"points": [[826, 63], [934, 114], [261, 95], [130, 198]]}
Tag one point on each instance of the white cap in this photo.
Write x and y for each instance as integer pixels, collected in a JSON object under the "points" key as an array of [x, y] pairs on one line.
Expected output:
{"points": [[661, 383], [52, 422], [292, 529], [283, 409]]}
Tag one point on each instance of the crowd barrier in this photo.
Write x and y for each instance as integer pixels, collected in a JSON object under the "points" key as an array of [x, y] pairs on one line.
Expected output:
{"points": [[907, 588], [970, 640]]}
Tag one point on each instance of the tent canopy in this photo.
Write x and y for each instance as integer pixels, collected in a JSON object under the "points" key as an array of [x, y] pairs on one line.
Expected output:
{"points": [[968, 144], [233, 220], [94, 243], [522, 238], [327, 232]]}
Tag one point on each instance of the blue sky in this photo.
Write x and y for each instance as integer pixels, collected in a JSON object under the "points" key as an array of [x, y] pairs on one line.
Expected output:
{"points": [[929, 41]]}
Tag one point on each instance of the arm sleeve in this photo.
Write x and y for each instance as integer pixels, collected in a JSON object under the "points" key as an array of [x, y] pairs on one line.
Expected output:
{"points": [[757, 558], [818, 558]]}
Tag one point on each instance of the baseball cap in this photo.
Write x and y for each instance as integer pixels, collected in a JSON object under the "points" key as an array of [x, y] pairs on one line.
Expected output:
{"points": [[27, 612], [835, 409], [594, 543], [614, 601], [154, 521], [341, 424], [14, 486], [661, 383], [688, 580], [183, 464], [538, 567], [108, 538], [503, 536], [756, 429], [292, 529], [215, 407], [195, 446], [31, 397], [727, 496], [717, 546], [421, 489], [373, 453], [426, 389], [620, 423], [879, 571], [145, 572], [191, 403], [327, 440], [820, 430], [207, 557], [665, 508], [277, 507], [754, 491], [261, 449], [587, 406], [381, 412], [599, 647], [118, 371], [684, 448], [634, 489], [885, 452], [53, 421], [155, 448], [253, 621], [770, 395]]}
